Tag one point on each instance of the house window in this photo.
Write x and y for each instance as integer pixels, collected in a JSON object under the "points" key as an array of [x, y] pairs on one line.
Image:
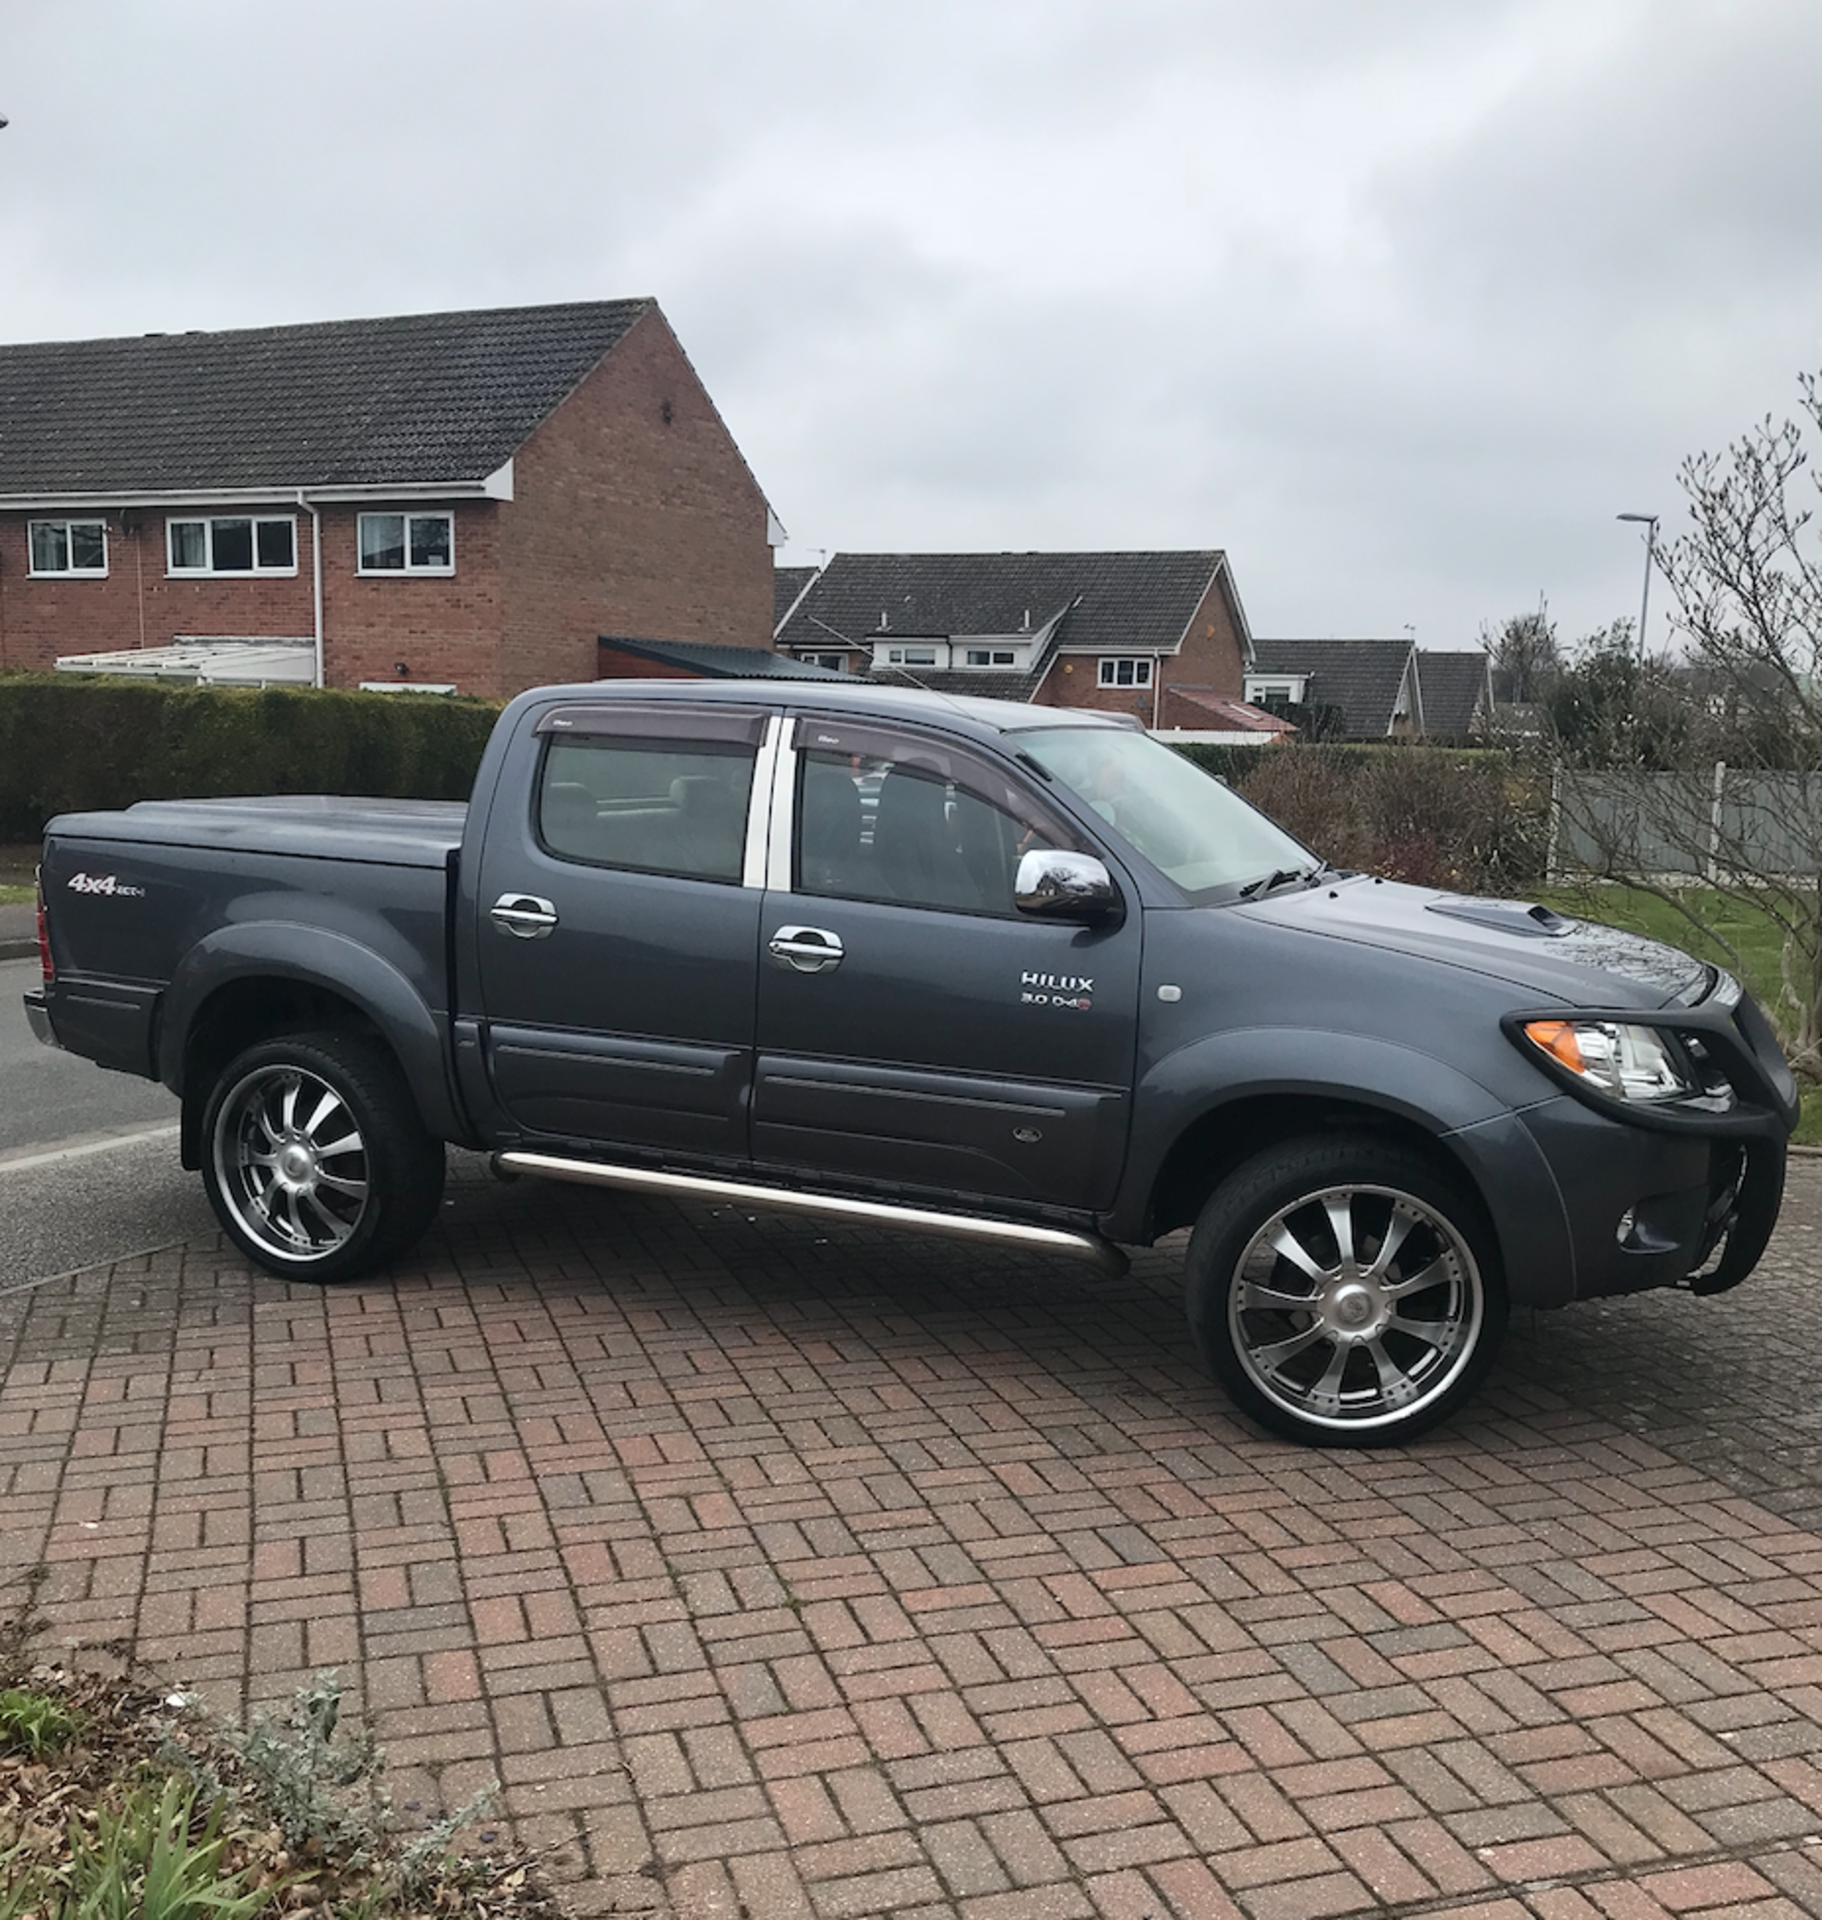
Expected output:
{"points": [[407, 543], [1260, 688], [1125, 673], [991, 657], [835, 662], [232, 545], [75, 547], [911, 656]]}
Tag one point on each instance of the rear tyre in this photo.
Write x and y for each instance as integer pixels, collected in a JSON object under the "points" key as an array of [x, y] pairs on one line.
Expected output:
{"points": [[1345, 1292], [314, 1157]]}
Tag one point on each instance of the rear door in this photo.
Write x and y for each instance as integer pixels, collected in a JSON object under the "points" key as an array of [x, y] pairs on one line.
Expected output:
{"points": [[914, 1029], [618, 940]]}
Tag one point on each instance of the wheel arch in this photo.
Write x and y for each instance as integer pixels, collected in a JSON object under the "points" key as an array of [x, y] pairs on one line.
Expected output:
{"points": [[248, 984], [1209, 1108], [1226, 1136]]}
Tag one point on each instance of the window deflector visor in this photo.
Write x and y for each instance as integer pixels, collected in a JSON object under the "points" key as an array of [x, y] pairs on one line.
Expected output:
{"points": [[737, 726]]}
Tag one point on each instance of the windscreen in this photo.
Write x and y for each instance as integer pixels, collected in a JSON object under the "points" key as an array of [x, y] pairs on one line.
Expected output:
{"points": [[1184, 821]]}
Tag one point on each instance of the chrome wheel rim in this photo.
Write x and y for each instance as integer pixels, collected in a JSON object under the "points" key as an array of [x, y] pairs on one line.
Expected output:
{"points": [[1355, 1307], [291, 1163]]}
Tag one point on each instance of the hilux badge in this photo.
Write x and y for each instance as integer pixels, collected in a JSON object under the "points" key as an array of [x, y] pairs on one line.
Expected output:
{"points": [[1073, 990]]}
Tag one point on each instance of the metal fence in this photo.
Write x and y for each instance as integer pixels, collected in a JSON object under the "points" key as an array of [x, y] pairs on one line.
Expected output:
{"points": [[1687, 828]]}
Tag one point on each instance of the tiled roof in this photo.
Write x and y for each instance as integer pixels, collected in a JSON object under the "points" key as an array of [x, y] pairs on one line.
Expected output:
{"points": [[1360, 677], [787, 584], [1457, 693], [1123, 602], [1194, 709], [417, 399], [984, 683], [715, 662]]}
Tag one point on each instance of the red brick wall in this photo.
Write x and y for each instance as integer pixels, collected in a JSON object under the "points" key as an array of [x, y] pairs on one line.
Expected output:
{"points": [[633, 514], [442, 627], [1210, 658], [137, 603]]}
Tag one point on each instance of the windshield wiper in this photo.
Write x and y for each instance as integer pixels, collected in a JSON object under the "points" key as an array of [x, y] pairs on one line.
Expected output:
{"points": [[1282, 877]]}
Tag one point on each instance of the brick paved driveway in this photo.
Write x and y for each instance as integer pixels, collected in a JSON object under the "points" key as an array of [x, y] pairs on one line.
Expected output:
{"points": [[786, 1571]]}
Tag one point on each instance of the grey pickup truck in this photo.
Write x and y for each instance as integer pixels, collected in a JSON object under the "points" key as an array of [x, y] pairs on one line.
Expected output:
{"points": [[1011, 973]]}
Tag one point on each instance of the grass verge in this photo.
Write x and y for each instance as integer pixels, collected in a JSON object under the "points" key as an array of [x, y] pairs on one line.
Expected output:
{"points": [[1752, 945]]}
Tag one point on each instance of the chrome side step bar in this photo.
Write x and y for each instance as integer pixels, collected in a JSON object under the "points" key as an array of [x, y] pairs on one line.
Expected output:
{"points": [[1102, 1254]]}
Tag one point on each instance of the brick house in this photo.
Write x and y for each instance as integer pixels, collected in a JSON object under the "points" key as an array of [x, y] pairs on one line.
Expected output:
{"points": [[1375, 689], [1341, 689], [454, 499], [1117, 631]]}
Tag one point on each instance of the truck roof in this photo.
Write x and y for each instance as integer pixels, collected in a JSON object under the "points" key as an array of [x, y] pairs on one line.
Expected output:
{"points": [[853, 693]]}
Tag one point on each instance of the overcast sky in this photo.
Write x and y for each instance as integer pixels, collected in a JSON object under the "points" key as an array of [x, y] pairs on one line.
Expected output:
{"points": [[1399, 301]]}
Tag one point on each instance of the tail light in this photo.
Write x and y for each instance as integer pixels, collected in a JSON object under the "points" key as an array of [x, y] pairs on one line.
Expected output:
{"points": [[44, 939]]}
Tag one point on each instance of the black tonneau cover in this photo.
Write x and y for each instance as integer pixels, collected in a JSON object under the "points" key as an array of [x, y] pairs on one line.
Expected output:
{"points": [[399, 833]]}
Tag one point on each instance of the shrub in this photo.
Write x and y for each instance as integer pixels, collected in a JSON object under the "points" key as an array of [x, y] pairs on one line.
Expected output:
{"points": [[68, 744], [1436, 817]]}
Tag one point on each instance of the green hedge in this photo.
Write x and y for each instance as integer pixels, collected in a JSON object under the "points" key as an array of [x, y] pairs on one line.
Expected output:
{"points": [[69, 743]]}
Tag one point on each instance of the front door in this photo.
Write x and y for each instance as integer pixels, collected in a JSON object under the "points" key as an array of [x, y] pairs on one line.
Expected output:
{"points": [[617, 941], [915, 1030]]}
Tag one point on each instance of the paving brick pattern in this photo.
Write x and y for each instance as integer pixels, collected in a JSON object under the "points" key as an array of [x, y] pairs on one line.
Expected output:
{"points": [[783, 1571]]}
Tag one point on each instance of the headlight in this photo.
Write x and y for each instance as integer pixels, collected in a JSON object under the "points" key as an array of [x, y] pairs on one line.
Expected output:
{"points": [[1623, 1062]]}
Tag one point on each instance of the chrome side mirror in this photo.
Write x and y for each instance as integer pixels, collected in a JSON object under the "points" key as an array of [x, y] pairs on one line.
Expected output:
{"points": [[1055, 885]]}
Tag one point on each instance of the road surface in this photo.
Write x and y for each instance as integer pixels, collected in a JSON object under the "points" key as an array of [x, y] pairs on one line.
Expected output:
{"points": [[88, 1160]]}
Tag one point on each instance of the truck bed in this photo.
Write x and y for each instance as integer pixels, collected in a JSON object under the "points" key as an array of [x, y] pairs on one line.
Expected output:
{"points": [[402, 833], [152, 904]]}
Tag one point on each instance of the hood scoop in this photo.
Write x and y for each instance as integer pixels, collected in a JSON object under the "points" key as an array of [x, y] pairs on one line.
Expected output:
{"points": [[1506, 916]]}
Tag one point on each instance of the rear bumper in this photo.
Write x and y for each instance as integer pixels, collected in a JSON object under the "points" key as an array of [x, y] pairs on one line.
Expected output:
{"points": [[38, 1018]]}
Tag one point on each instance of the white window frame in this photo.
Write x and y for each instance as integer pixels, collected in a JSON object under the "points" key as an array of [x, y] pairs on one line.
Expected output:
{"points": [[926, 655], [209, 522], [835, 662], [1111, 664], [1000, 658], [71, 572], [407, 571]]}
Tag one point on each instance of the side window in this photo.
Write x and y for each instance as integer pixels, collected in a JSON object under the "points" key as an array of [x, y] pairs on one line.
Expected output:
{"points": [[911, 821], [657, 805]]}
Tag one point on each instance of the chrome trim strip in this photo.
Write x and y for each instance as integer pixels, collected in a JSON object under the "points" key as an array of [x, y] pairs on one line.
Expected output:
{"points": [[784, 805], [1061, 1240], [759, 810]]}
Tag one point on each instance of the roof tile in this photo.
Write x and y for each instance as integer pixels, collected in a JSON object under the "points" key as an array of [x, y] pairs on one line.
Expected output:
{"points": [[410, 400]]}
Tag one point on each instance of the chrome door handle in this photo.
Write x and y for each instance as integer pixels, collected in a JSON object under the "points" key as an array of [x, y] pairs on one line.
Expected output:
{"points": [[523, 915], [806, 949]]}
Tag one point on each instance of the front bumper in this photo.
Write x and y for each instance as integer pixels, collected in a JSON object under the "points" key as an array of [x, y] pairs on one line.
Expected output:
{"points": [[1651, 1209], [38, 1018], [1683, 1191]]}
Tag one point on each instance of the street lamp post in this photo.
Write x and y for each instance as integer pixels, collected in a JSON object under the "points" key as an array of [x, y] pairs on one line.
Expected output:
{"points": [[1649, 521]]}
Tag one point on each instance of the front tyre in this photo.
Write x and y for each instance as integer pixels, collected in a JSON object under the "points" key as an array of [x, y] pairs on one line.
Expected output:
{"points": [[314, 1157], [1345, 1292]]}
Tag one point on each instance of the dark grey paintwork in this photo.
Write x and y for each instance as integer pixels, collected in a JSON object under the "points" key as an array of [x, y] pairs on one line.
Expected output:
{"points": [[650, 1018]]}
